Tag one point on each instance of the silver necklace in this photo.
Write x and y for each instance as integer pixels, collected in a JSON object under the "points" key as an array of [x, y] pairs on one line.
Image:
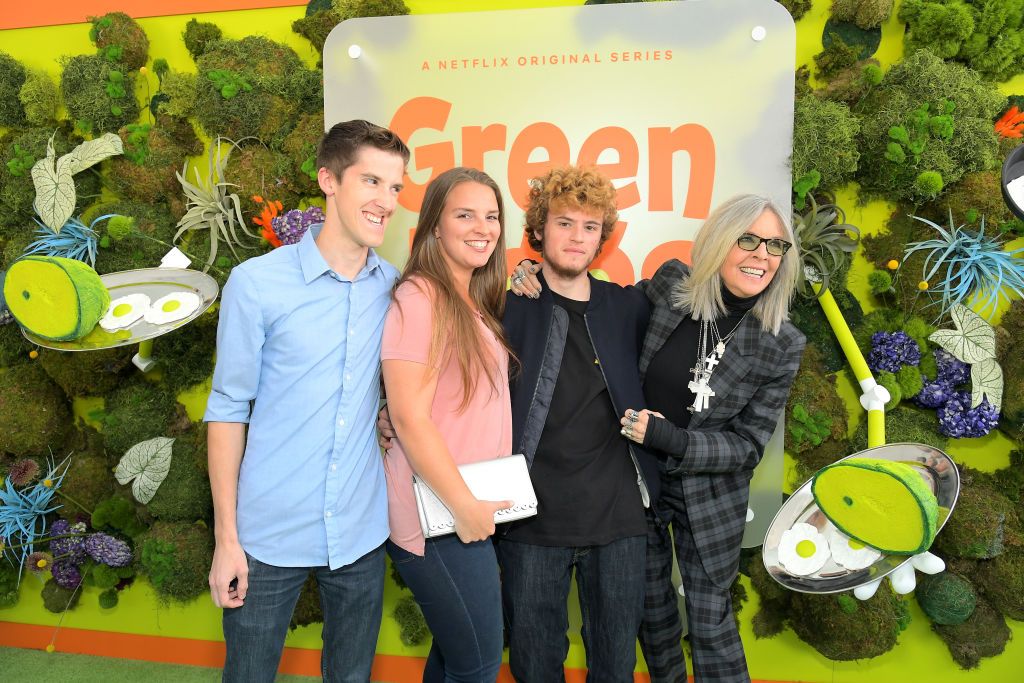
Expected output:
{"points": [[707, 359]]}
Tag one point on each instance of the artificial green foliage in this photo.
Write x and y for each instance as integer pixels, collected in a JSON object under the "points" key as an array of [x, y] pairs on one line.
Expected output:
{"points": [[57, 599], [120, 39], [308, 609], [14, 348], [1002, 580], [100, 98], [836, 56], [175, 556], [868, 631], [105, 578], [136, 411], [850, 84], [773, 602], [925, 115], [919, 330], [1011, 357], [8, 585], [117, 514], [892, 385], [12, 77], [825, 242], [253, 169], [86, 485], [985, 34], [120, 227], [905, 423], [946, 598], [87, 374], [880, 283], [180, 92], [108, 599], [153, 154], [34, 414], [979, 526], [184, 495], [268, 109], [40, 98], [865, 13], [824, 139], [300, 148], [808, 428], [144, 246], [797, 8], [185, 353], [928, 184], [909, 380], [316, 25], [983, 634], [413, 629], [199, 35], [977, 196], [808, 317]]}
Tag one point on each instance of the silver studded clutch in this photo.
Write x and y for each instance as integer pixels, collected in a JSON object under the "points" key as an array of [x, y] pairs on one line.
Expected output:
{"points": [[505, 478]]}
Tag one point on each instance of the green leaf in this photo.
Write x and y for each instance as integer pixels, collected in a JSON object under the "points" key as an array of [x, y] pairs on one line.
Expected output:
{"points": [[972, 341], [92, 152], [55, 190], [987, 382], [146, 464]]}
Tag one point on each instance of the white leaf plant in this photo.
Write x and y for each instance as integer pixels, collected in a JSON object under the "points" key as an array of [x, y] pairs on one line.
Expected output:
{"points": [[146, 465], [974, 342], [52, 177]]}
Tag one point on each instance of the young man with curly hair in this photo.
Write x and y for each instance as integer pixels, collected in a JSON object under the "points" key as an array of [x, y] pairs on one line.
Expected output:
{"points": [[578, 345]]}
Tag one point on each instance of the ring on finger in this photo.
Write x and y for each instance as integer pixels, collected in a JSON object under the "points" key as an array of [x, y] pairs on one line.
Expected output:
{"points": [[633, 416]]}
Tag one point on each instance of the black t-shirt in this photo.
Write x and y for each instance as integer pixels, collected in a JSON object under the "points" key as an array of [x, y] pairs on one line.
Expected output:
{"points": [[583, 474], [666, 385]]}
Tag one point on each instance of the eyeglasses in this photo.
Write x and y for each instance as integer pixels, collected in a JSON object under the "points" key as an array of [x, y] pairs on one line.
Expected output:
{"points": [[774, 245]]}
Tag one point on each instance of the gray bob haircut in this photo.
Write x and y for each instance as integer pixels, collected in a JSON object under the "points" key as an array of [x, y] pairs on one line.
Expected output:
{"points": [[701, 292]]}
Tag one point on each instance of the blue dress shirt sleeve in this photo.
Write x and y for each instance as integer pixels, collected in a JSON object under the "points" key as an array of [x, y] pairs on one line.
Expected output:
{"points": [[240, 337]]}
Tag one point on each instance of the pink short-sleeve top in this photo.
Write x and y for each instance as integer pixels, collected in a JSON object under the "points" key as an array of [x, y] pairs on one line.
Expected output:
{"points": [[481, 432]]}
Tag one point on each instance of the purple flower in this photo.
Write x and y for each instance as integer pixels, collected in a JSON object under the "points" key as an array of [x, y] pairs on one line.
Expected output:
{"points": [[39, 562], [108, 550], [292, 225], [66, 574], [934, 394], [952, 370], [890, 351], [958, 420], [313, 214], [69, 541]]}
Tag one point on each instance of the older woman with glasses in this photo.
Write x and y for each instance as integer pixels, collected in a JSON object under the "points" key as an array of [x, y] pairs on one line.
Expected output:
{"points": [[717, 364]]}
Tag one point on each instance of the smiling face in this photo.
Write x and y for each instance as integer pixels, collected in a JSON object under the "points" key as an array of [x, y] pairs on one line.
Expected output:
{"points": [[748, 273], [469, 228], [571, 240], [361, 202]]}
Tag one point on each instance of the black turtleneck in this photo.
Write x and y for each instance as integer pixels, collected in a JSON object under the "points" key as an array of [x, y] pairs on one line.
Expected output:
{"points": [[668, 376]]}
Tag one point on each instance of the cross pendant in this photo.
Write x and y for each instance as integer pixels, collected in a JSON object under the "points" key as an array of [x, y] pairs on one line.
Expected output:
{"points": [[711, 362], [702, 395]]}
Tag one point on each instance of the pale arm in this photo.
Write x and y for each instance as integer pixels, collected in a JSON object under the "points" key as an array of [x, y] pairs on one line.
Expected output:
{"points": [[225, 446]]}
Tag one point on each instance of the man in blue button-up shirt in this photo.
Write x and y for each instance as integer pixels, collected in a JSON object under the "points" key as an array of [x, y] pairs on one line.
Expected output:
{"points": [[298, 358]]}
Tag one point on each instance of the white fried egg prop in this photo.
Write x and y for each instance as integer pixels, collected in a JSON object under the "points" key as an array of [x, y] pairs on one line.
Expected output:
{"points": [[849, 553], [802, 550], [125, 311], [172, 307]]}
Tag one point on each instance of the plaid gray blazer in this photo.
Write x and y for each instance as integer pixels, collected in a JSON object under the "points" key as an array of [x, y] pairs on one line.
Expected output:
{"points": [[714, 458]]}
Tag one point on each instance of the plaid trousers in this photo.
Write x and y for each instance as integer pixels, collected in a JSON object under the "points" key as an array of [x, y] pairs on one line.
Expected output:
{"points": [[714, 639]]}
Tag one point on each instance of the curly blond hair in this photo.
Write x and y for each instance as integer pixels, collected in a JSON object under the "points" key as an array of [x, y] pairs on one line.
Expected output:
{"points": [[574, 188]]}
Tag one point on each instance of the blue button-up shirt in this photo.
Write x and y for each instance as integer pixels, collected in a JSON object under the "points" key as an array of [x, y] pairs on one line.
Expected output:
{"points": [[298, 358]]}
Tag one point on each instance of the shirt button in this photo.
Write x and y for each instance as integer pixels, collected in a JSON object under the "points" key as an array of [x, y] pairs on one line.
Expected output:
{"points": [[328, 513], [351, 331], [341, 423], [333, 468], [347, 376]]}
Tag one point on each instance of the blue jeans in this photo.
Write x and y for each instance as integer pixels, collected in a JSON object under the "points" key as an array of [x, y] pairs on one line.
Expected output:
{"points": [[610, 583], [456, 585], [351, 598]]}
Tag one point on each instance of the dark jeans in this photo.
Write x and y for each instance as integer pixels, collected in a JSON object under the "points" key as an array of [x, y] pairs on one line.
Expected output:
{"points": [[610, 583], [456, 585], [351, 597]]}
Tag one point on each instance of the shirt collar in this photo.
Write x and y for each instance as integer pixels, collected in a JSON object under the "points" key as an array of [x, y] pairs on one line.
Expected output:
{"points": [[312, 261]]}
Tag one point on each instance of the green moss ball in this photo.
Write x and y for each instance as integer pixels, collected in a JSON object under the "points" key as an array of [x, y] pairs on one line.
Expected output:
{"points": [[946, 598], [120, 40], [150, 239], [99, 95], [8, 584], [136, 411], [198, 35], [300, 146], [12, 77], [187, 353], [176, 558], [87, 374], [413, 629], [14, 348], [1002, 579], [256, 170], [978, 526], [146, 172], [88, 482], [109, 598], [40, 99], [983, 634], [117, 514], [868, 631], [307, 609], [184, 495], [34, 414], [57, 599]]}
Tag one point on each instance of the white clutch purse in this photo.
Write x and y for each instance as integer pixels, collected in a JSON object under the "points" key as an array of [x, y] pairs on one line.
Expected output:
{"points": [[505, 478]]}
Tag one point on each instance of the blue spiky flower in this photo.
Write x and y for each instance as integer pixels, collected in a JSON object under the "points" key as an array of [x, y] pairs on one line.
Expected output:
{"points": [[968, 263], [23, 512], [75, 240]]}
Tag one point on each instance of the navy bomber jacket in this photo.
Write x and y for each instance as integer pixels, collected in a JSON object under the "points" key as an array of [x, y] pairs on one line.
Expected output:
{"points": [[616, 320]]}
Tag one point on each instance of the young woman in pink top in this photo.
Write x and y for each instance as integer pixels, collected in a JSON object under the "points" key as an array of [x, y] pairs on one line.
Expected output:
{"points": [[445, 367]]}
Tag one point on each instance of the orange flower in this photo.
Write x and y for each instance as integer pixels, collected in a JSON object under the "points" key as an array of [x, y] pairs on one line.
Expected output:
{"points": [[266, 218], [1011, 124]]}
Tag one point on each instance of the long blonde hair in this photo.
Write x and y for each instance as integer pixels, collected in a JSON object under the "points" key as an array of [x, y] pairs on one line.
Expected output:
{"points": [[701, 292], [455, 334]]}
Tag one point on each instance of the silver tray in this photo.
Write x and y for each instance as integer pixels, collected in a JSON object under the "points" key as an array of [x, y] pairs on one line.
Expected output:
{"points": [[934, 466], [154, 283]]}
